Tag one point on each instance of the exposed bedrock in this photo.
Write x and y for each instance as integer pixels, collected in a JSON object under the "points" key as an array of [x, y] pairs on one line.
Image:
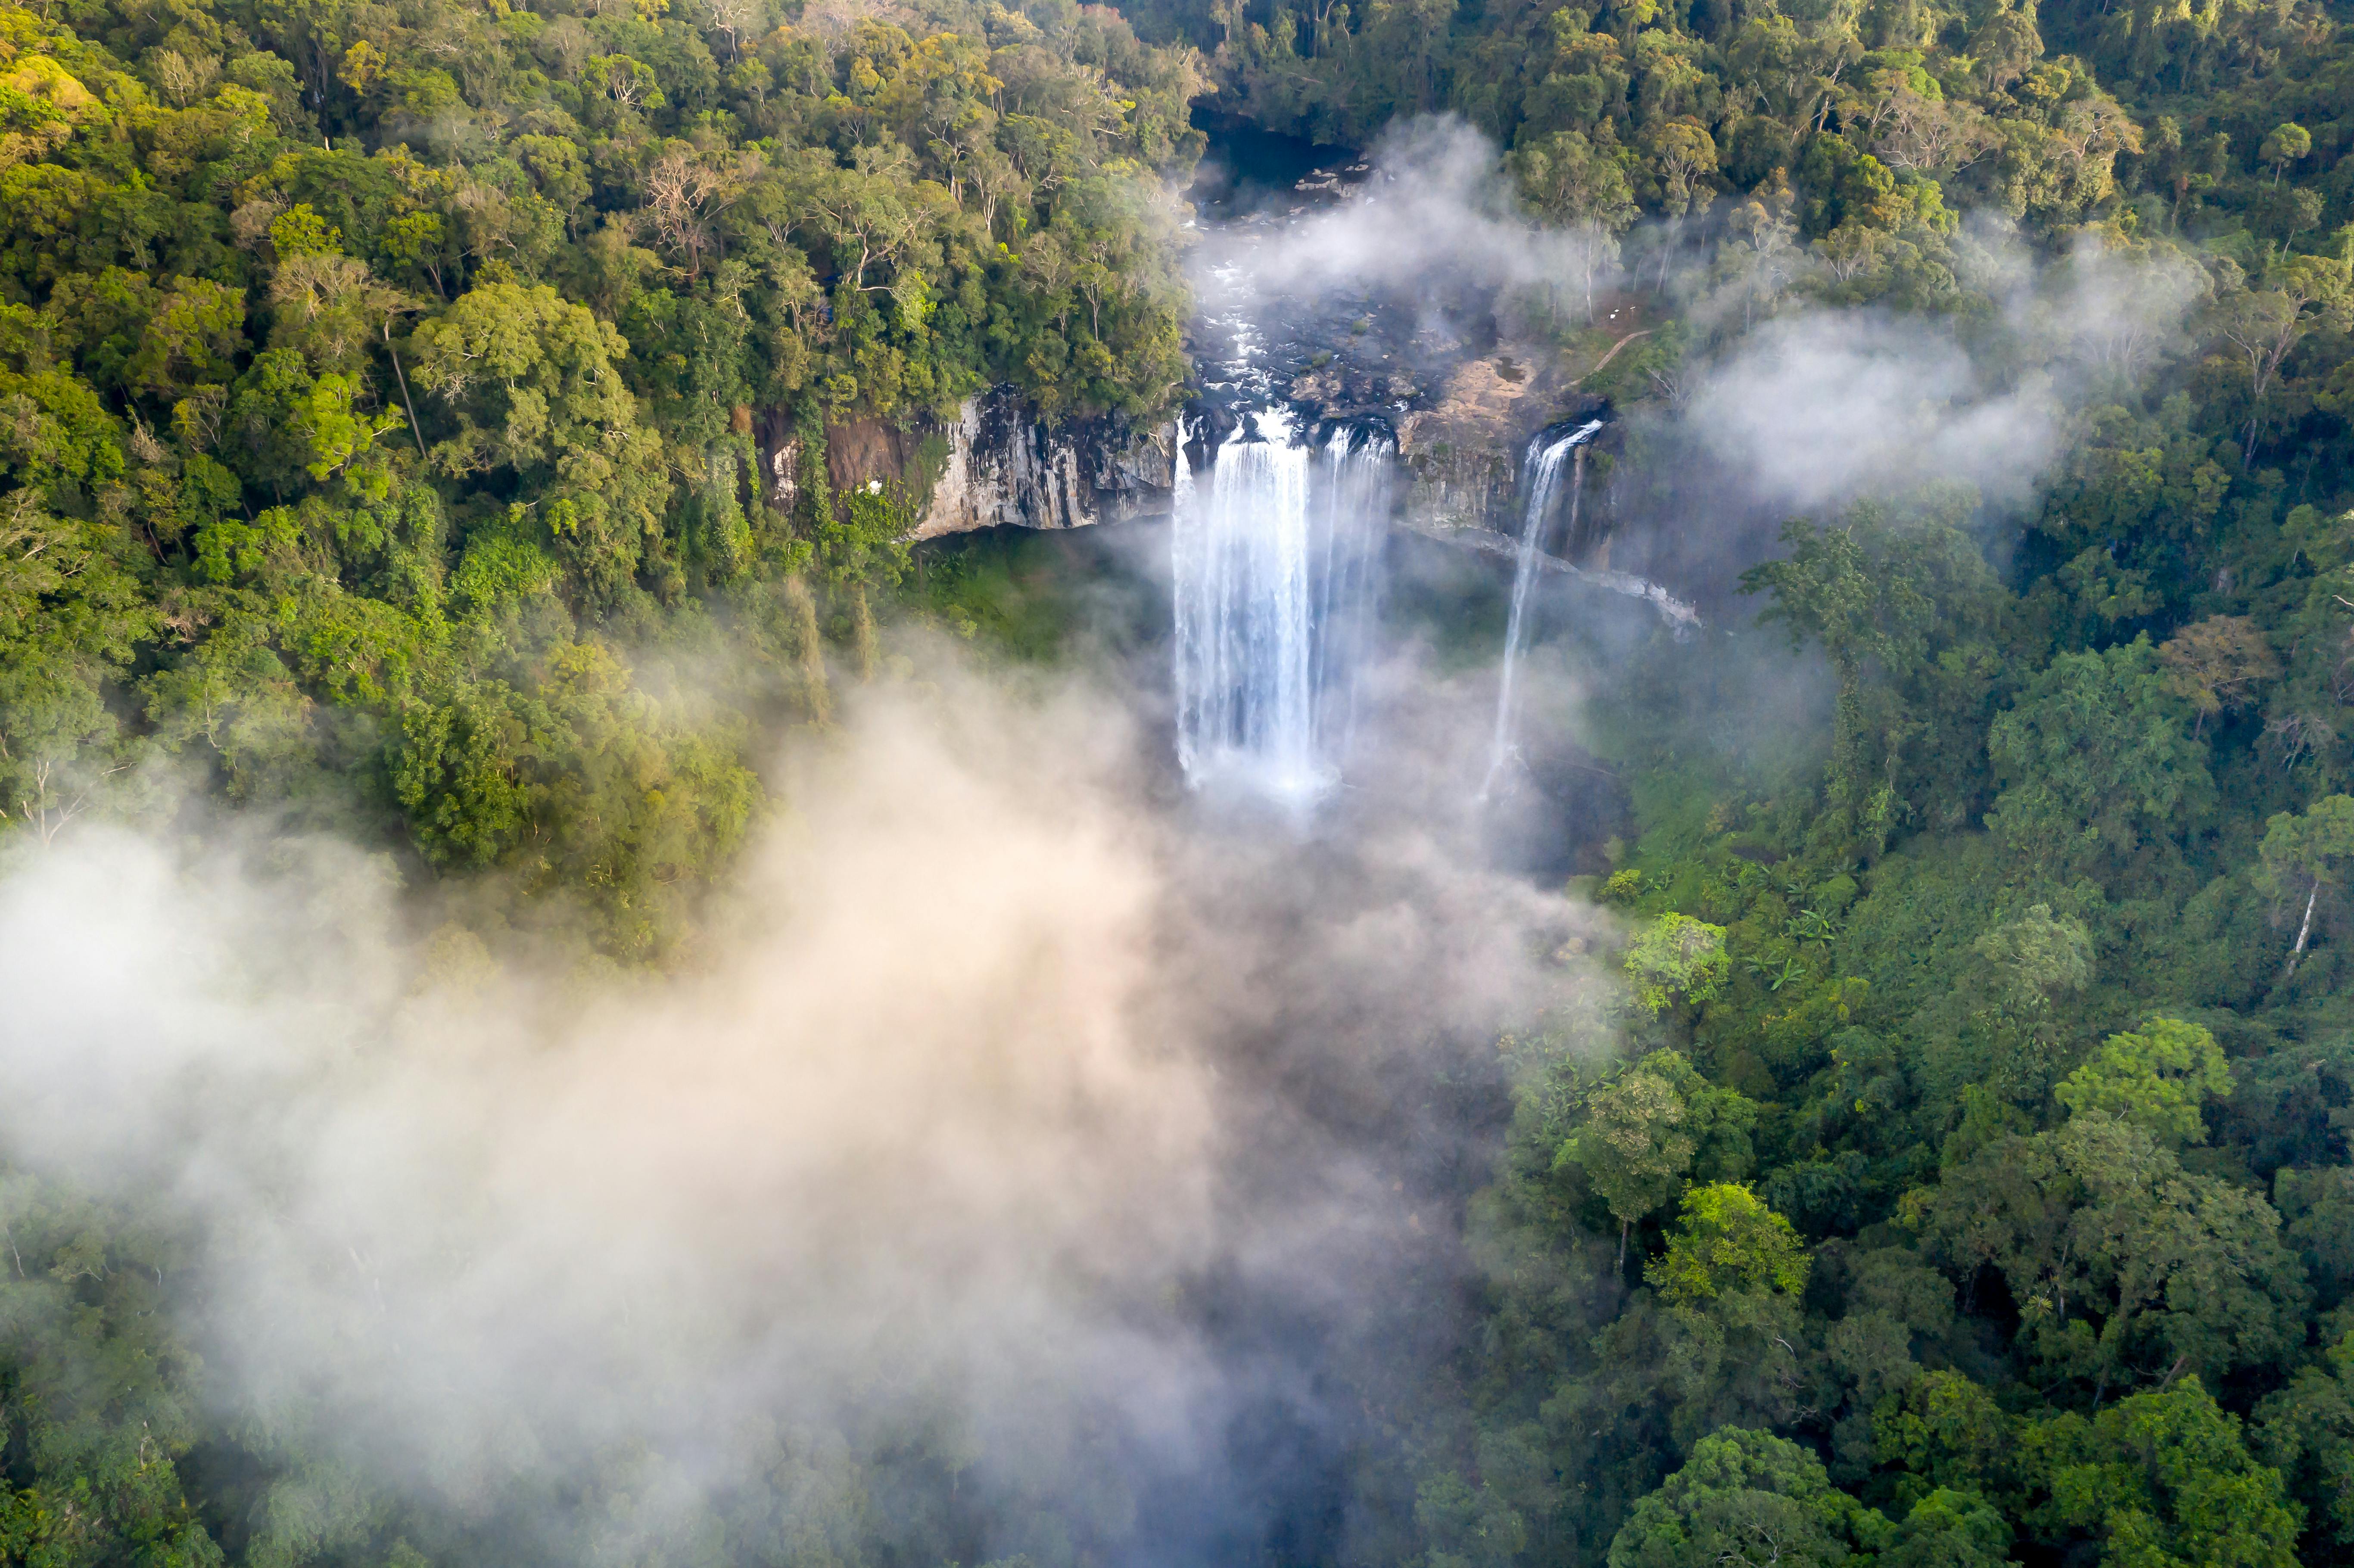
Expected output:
{"points": [[999, 463]]}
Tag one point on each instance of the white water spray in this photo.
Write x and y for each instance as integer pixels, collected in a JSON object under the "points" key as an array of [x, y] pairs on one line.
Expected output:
{"points": [[1352, 529], [1543, 469], [1277, 566]]}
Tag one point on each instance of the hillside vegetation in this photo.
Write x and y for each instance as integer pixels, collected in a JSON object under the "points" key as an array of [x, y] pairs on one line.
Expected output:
{"points": [[381, 380], [1976, 1185], [1961, 1175]]}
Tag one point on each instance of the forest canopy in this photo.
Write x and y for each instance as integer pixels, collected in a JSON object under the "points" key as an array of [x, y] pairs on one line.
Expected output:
{"points": [[380, 381], [1955, 1170]]}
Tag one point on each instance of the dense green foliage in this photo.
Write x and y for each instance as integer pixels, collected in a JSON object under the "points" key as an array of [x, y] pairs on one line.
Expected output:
{"points": [[1984, 1196], [387, 391], [387, 396], [1826, 150], [1961, 1173], [1969, 1169], [2013, 1011]]}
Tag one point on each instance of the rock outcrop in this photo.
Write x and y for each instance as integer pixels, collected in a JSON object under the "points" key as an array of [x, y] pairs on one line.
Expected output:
{"points": [[999, 465], [996, 465], [1004, 467], [1464, 450]]}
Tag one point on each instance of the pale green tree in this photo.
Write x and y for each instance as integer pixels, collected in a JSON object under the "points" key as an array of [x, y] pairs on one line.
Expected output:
{"points": [[2312, 850], [532, 385], [1581, 190], [1676, 955], [2288, 143], [1649, 1129], [2162, 1480], [1747, 1500], [2155, 1077]]}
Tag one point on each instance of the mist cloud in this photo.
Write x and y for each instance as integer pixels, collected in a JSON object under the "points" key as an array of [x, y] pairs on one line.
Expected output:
{"points": [[1817, 408], [1820, 406], [1814, 405], [981, 1072], [1435, 205]]}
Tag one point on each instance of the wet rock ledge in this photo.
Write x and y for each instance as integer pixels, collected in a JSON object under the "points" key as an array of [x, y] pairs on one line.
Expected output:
{"points": [[997, 464]]}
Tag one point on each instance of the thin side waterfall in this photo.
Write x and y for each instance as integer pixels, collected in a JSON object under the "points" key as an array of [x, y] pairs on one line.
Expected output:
{"points": [[1275, 556], [1544, 470]]}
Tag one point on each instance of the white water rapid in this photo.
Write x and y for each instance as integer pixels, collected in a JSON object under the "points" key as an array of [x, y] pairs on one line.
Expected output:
{"points": [[1542, 468], [1277, 562]]}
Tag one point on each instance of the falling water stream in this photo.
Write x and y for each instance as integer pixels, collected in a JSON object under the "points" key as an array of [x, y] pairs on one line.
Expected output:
{"points": [[1543, 469], [1276, 564], [1356, 514], [1277, 553], [1279, 522]]}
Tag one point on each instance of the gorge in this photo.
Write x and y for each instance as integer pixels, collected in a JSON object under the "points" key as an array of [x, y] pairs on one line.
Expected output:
{"points": [[1282, 484], [940, 784]]}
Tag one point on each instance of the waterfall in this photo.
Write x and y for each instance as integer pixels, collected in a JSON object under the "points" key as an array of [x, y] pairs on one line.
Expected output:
{"points": [[1571, 543], [1355, 483], [1277, 566], [1542, 468]]}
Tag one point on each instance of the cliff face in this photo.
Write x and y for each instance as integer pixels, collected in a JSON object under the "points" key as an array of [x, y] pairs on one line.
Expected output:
{"points": [[1462, 421], [1464, 450], [1004, 467], [998, 464]]}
